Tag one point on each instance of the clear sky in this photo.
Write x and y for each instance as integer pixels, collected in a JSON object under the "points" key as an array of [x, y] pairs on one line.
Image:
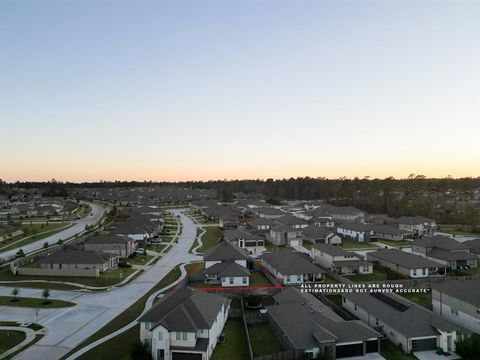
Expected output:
{"points": [[174, 90]]}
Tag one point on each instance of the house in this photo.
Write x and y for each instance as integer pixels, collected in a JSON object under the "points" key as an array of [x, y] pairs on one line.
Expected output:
{"points": [[260, 224], [474, 246], [412, 327], [458, 301], [407, 264], [283, 235], [292, 221], [78, 260], [119, 245], [418, 225], [216, 212], [323, 221], [340, 261], [446, 251], [390, 233], [230, 222], [9, 230], [355, 231], [184, 324], [290, 267], [139, 227], [340, 213], [320, 235], [252, 243], [312, 330], [268, 212], [203, 203], [225, 264]]}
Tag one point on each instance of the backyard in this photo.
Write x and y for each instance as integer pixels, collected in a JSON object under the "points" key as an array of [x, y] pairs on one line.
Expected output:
{"points": [[350, 245], [235, 346], [263, 340], [422, 299]]}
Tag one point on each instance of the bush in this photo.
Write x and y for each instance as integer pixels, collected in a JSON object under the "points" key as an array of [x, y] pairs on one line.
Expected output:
{"points": [[469, 347]]}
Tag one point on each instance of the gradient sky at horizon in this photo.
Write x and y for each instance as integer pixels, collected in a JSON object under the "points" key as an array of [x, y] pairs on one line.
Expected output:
{"points": [[194, 90]]}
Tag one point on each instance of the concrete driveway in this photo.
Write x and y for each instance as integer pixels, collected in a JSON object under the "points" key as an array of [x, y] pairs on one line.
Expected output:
{"points": [[68, 327], [79, 226]]}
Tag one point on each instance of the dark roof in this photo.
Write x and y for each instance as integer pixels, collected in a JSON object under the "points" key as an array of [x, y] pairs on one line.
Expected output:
{"points": [[290, 263], [446, 255], [226, 269], [409, 319], [473, 244], [465, 290], [354, 226], [402, 258], [232, 235], [108, 239], [76, 257], [357, 262], [185, 310], [317, 232], [334, 250], [387, 229], [261, 221], [224, 251], [290, 220], [413, 220], [442, 242], [269, 211]]}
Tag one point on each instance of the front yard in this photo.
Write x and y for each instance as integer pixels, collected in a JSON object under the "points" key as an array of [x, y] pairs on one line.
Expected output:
{"points": [[422, 299], [138, 259], [377, 275]]}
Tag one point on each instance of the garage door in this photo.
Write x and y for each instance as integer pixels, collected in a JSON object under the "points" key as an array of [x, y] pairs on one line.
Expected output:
{"points": [[424, 344], [294, 243], [344, 351], [186, 356], [372, 346]]}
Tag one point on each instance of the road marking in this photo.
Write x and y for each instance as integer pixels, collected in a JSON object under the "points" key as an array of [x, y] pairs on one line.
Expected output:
{"points": [[55, 317]]}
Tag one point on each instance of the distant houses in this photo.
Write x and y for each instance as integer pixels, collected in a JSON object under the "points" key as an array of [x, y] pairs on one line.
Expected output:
{"points": [[185, 324], [340, 261], [355, 232], [120, 245], [417, 225]]}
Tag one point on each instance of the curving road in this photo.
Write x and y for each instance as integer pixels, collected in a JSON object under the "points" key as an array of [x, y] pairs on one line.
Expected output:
{"points": [[79, 226], [68, 327]]}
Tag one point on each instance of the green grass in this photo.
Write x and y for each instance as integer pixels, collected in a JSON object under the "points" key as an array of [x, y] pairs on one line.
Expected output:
{"points": [[195, 268], [330, 280], [401, 243], [40, 285], [210, 238], [105, 278], [35, 340], [34, 302], [422, 299], [263, 340], [336, 299], [258, 279], [9, 339], [390, 351], [356, 246], [129, 314], [38, 233], [138, 259], [469, 272], [118, 348], [376, 276], [235, 346], [457, 231], [307, 245], [156, 248]]}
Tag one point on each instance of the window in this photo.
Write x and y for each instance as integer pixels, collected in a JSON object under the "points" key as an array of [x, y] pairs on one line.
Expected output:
{"points": [[160, 336], [454, 312], [147, 326], [414, 272], [424, 271], [287, 278], [231, 280], [178, 335], [244, 280], [184, 336], [355, 307]]}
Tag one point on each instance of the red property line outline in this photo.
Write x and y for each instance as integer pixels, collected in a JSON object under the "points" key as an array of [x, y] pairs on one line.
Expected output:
{"points": [[232, 288]]}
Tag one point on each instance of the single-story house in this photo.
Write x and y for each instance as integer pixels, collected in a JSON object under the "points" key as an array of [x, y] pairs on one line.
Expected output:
{"points": [[185, 324], [79, 259], [390, 233], [408, 264], [119, 245], [290, 267], [355, 231], [321, 235], [445, 250]]}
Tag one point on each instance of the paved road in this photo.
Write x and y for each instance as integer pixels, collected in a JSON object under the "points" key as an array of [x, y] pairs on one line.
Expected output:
{"points": [[71, 231], [68, 327]]}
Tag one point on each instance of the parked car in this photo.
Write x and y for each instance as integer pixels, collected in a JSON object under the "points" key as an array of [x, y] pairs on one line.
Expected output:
{"points": [[140, 251]]}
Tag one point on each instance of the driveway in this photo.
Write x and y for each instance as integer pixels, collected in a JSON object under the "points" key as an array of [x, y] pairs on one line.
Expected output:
{"points": [[79, 226], [68, 327]]}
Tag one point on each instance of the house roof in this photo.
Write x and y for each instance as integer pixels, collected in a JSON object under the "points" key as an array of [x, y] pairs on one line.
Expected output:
{"points": [[266, 210], [108, 239], [443, 254], [76, 257], [387, 229], [290, 263], [354, 226], [356, 262], [185, 310], [232, 235], [316, 232], [224, 251], [334, 250], [473, 244], [289, 219], [442, 242], [407, 318], [226, 269], [413, 220], [402, 258], [465, 290]]}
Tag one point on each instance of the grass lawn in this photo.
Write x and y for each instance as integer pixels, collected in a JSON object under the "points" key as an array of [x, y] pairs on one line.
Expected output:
{"points": [[356, 246], [105, 279], [457, 272], [263, 339], [195, 268], [336, 299], [258, 279], [235, 346], [422, 299], [390, 351], [156, 248], [9, 339], [376, 276], [210, 238], [118, 348], [38, 233], [129, 314], [138, 259], [402, 243], [330, 280], [307, 245], [33, 302], [456, 231]]}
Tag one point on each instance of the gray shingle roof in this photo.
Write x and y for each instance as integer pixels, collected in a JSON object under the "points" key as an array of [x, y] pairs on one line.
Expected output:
{"points": [[442, 242], [402, 258], [466, 290], [290, 263], [185, 310], [109, 239], [226, 269], [334, 250], [224, 251], [76, 257]]}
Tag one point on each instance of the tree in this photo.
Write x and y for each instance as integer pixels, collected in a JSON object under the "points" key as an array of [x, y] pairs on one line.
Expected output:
{"points": [[46, 295], [469, 347], [45, 245], [15, 293], [19, 254]]}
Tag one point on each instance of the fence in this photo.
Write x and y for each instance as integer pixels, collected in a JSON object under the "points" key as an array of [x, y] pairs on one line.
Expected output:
{"points": [[58, 272]]}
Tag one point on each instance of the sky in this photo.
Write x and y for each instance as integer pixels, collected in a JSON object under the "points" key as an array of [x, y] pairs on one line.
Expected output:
{"points": [[223, 89]]}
